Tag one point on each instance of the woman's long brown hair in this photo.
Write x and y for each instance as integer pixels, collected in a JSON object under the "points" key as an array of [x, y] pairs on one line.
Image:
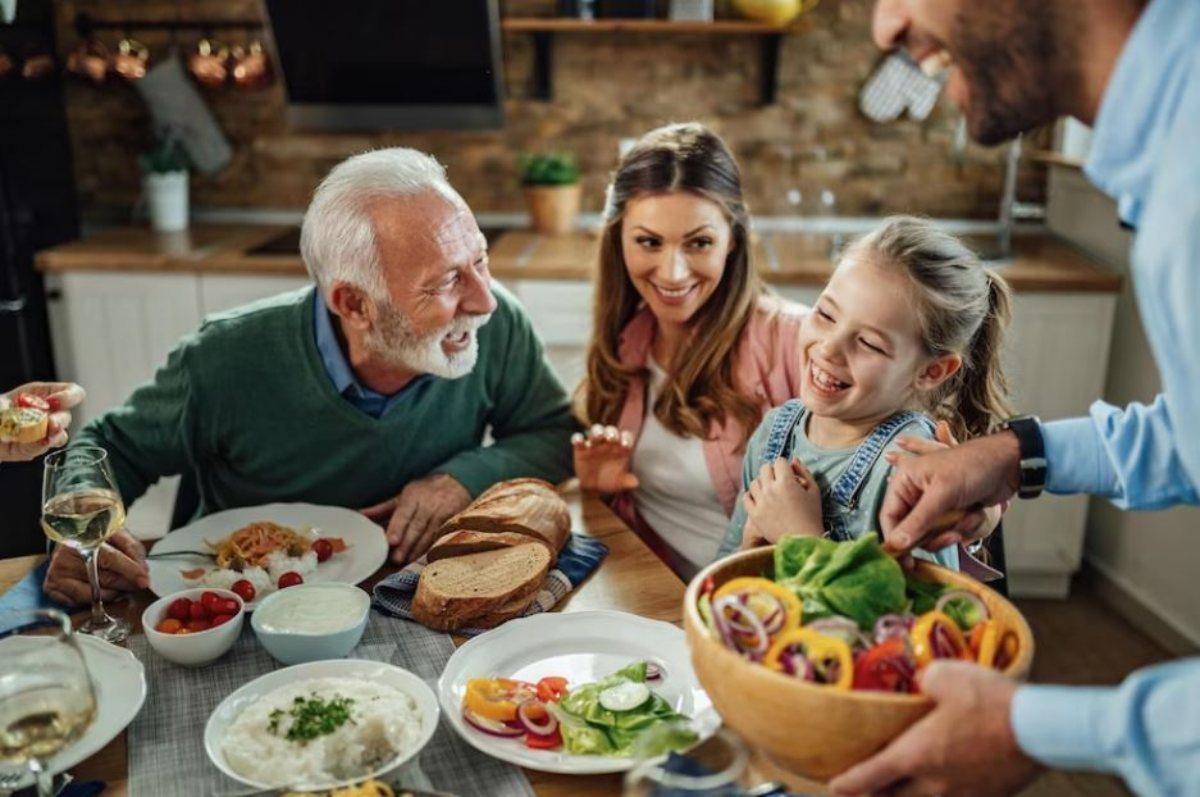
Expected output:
{"points": [[700, 388]]}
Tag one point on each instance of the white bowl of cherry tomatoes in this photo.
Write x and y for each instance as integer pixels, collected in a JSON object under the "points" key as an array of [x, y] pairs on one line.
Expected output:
{"points": [[195, 626]]}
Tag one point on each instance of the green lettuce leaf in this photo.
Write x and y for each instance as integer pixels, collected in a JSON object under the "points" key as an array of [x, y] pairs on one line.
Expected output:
{"points": [[855, 579], [963, 612], [589, 728], [923, 595]]}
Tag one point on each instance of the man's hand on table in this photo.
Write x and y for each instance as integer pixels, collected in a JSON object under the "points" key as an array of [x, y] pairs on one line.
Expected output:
{"points": [[964, 746], [925, 488], [413, 517], [122, 569]]}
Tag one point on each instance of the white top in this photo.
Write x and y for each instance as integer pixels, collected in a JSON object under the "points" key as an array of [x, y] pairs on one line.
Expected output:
{"points": [[676, 495]]}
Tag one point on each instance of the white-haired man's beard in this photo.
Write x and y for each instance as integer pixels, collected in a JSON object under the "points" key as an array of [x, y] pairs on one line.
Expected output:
{"points": [[395, 342]]}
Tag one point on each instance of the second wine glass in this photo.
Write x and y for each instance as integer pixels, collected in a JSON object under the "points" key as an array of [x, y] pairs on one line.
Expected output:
{"points": [[81, 508]]}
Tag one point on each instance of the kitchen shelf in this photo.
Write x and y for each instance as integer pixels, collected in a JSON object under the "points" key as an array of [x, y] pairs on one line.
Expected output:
{"points": [[544, 29]]}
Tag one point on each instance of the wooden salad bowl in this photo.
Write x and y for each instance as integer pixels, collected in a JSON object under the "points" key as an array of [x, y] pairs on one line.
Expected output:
{"points": [[808, 729]]}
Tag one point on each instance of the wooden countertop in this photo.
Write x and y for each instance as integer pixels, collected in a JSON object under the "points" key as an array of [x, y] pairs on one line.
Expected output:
{"points": [[631, 579], [1040, 263]]}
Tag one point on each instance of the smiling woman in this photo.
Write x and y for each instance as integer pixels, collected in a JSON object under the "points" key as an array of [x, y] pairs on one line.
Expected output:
{"points": [[688, 350]]}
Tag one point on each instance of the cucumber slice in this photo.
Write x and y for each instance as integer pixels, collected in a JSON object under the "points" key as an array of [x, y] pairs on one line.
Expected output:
{"points": [[625, 696]]}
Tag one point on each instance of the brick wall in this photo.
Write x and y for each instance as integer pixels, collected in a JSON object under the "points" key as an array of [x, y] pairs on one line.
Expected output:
{"points": [[608, 86]]}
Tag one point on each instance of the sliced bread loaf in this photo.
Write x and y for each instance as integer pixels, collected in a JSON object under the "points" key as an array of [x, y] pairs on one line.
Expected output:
{"points": [[525, 506], [455, 590], [461, 543]]}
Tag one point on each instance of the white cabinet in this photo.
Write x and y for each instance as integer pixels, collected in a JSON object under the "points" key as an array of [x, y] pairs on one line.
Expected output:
{"points": [[220, 292]]}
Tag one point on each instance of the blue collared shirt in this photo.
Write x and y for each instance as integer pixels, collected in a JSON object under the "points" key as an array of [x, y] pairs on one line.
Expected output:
{"points": [[1145, 154], [339, 370]]}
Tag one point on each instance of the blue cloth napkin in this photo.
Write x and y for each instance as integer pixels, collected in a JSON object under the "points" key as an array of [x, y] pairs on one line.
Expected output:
{"points": [[581, 555], [25, 595]]}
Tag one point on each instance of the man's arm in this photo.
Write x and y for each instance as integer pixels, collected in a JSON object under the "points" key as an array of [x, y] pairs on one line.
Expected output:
{"points": [[152, 434], [531, 420], [1128, 456], [1147, 730]]}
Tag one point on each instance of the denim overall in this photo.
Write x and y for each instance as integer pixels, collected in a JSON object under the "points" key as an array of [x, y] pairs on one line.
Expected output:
{"points": [[842, 497]]}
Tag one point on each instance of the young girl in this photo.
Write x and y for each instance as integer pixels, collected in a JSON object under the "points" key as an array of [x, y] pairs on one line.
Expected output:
{"points": [[908, 331]]}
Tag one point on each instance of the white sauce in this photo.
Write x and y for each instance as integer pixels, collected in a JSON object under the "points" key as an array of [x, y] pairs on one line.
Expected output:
{"points": [[313, 609]]}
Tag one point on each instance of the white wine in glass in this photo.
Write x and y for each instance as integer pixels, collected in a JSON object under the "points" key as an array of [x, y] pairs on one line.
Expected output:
{"points": [[46, 695], [81, 508]]}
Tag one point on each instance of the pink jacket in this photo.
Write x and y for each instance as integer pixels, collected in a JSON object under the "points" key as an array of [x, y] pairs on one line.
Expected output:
{"points": [[767, 367]]}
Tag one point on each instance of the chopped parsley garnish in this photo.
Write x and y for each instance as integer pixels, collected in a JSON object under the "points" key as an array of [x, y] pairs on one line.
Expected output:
{"points": [[312, 717]]}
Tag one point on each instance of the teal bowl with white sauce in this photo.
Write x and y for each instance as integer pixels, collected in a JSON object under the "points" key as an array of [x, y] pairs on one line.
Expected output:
{"points": [[311, 622]]}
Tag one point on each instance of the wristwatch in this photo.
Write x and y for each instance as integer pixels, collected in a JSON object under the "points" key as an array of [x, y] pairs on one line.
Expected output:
{"points": [[1028, 430]]}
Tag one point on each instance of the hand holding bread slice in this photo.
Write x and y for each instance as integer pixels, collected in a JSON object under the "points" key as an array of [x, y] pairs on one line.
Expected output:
{"points": [[493, 557]]}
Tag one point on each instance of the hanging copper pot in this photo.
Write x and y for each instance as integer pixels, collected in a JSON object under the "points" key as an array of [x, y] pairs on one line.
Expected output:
{"points": [[90, 60], [251, 67], [7, 65], [209, 65], [38, 66], [132, 59]]}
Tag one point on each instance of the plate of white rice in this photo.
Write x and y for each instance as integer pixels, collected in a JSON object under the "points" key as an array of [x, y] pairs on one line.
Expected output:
{"points": [[321, 725], [366, 549]]}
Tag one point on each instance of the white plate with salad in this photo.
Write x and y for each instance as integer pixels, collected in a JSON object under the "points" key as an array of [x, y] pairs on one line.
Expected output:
{"points": [[580, 693]]}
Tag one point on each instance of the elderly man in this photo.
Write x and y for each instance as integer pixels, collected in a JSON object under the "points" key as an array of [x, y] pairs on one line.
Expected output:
{"points": [[1132, 68], [372, 389]]}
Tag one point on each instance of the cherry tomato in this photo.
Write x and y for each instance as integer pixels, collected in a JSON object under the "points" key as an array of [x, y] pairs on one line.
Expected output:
{"points": [[551, 688], [547, 742], [32, 402], [290, 579], [196, 626], [221, 619], [886, 667], [169, 626], [211, 600], [199, 611], [226, 606], [244, 590], [323, 549], [180, 609]]}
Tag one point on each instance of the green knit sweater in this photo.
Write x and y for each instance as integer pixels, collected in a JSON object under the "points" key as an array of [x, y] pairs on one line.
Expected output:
{"points": [[246, 406]]}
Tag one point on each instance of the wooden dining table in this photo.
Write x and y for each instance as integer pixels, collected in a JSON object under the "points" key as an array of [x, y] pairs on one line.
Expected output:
{"points": [[631, 579]]}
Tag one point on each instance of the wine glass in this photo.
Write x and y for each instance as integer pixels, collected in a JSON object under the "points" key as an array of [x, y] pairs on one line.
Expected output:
{"points": [[46, 696], [82, 508], [712, 769]]}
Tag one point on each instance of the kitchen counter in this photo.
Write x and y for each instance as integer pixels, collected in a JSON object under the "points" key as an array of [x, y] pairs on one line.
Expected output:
{"points": [[1040, 263]]}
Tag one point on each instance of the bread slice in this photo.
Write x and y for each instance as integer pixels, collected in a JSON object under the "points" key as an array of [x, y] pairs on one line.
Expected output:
{"points": [[453, 591], [23, 425], [503, 614], [461, 543], [524, 506]]}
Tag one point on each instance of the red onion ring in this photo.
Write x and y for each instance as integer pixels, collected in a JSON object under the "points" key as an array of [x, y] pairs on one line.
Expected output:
{"points": [[842, 628], [762, 639], [892, 625], [962, 595], [531, 725], [653, 671], [490, 726]]}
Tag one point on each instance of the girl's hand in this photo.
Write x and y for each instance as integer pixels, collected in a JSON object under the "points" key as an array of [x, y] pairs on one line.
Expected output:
{"points": [[784, 499], [602, 460]]}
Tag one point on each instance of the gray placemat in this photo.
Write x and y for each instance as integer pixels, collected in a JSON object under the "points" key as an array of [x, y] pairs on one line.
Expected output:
{"points": [[166, 740]]}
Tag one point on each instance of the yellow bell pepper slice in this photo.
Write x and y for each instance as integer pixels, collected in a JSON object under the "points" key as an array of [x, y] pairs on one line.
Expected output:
{"points": [[922, 637], [816, 647], [496, 698], [985, 642], [791, 604]]}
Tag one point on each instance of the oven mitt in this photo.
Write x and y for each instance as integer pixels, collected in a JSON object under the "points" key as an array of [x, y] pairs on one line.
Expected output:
{"points": [[178, 108], [897, 85]]}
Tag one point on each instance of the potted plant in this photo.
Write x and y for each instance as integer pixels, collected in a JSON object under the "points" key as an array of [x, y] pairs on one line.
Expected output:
{"points": [[165, 185], [552, 191]]}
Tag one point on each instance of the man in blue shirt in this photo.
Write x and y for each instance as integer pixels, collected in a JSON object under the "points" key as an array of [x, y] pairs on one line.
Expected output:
{"points": [[1131, 68]]}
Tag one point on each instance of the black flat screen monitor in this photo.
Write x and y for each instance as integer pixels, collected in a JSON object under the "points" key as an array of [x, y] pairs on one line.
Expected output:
{"points": [[389, 64]]}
